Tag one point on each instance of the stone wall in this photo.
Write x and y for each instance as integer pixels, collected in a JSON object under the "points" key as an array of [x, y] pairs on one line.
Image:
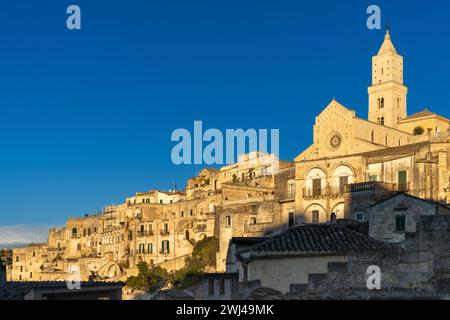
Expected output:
{"points": [[419, 268]]}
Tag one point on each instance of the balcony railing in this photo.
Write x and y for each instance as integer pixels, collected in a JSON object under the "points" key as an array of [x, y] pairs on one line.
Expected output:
{"points": [[286, 195], [372, 185], [164, 232], [362, 186], [328, 191], [145, 233]]}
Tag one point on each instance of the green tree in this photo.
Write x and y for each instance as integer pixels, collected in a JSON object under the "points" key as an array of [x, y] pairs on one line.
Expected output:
{"points": [[203, 255], [148, 279], [418, 131]]}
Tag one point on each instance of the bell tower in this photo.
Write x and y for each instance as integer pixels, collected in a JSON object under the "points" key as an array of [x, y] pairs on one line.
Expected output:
{"points": [[387, 95]]}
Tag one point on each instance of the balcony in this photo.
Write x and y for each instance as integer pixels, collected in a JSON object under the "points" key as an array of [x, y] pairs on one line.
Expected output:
{"points": [[289, 195], [325, 192], [141, 234], [164, 232], [362, 186], [378, 185]]}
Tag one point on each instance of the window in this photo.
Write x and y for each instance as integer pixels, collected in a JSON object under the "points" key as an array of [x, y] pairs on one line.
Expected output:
{"points": [[359, 216], [84, 232], [78, 246], [186, 234], [315, 216], [372, 136], [373, 178], [386, 140], [150, 248], [74, 232], [31, 274], [166, 228], [291, 219], [142, 229], [21, 268], [191, 213], [228, 221], [382, 103], [211, 287], [291, 189], [382, 121], [165, 246], [252, 220], [402, 181], [160, 201], [222, 286], [400, 223], [317, 187], [34, 253], [182, 214], [141, 248]]}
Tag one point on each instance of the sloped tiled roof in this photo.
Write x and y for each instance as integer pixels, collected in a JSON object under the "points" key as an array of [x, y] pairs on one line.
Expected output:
{"points": [[422, 114], [316, 239], [18, 290], [409, 196]]}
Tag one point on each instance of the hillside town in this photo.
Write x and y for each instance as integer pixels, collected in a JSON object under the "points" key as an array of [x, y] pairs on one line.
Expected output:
{"points": [[366, 192]]}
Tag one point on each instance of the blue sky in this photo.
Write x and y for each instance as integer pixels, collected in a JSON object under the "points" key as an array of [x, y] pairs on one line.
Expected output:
{"points": [[86, 116]]}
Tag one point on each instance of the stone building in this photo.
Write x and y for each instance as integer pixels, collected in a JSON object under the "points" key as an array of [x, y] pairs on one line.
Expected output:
{"points": [[291, 256], [409, 153], [392, 218], [161, 228]]}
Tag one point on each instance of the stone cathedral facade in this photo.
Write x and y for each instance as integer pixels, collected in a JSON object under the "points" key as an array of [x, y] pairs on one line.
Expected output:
{"points": [[352, 163], [391, 149]]}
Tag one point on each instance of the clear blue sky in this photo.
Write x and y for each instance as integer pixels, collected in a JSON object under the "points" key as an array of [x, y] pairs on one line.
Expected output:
{"points": [[86, 116]]}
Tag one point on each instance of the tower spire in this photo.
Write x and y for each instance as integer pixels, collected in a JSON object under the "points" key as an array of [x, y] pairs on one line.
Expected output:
{"points": [[387, 46], [387, 95]]}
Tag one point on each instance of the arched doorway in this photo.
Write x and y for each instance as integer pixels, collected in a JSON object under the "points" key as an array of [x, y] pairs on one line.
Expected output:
{"points": [[342, 176], [315, 183], [339, 210], [315, 213]]}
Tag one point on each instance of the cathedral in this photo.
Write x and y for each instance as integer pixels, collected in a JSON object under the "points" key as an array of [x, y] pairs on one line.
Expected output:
{"points": [[391, 150]]}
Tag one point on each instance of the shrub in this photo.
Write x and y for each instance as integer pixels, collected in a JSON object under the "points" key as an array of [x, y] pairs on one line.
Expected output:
{"points": [[418, 131]]}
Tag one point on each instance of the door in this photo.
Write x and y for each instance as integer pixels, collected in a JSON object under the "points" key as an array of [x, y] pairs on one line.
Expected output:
{"points": [[291, 219], [315, 216], [317, 187]]}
